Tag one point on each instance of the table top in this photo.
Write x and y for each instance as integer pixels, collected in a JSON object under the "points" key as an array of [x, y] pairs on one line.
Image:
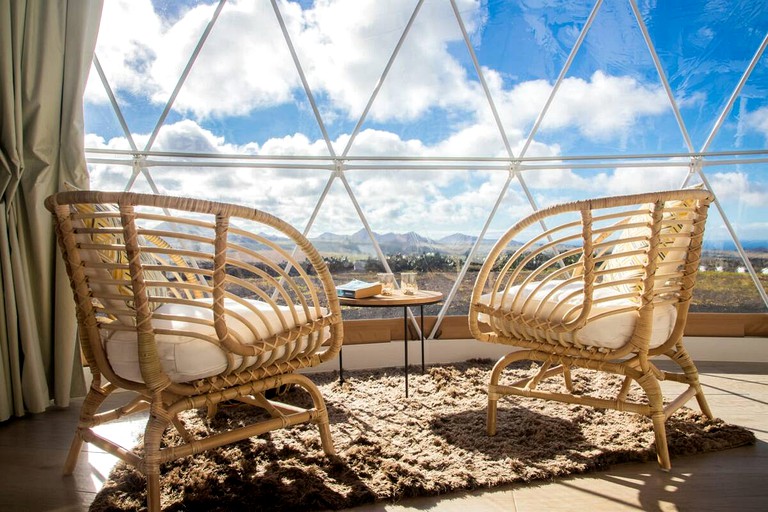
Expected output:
{"points": [[398, 298]]}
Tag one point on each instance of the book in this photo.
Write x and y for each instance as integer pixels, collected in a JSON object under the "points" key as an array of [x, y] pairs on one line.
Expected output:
{"points": [[357, 289]]}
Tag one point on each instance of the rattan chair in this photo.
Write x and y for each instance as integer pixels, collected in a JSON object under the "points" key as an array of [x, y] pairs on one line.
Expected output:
{"points": [[605, 285], [191, 303]]}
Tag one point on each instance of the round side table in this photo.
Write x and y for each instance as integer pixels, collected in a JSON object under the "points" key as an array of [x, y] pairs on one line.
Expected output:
{"points": [[420, 298]]}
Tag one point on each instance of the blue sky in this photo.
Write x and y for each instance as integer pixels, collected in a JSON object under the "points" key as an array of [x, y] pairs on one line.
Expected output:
{"points": [[244, 96]]}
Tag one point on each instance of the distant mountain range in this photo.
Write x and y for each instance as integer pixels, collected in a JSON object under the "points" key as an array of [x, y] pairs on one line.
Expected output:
{"points": [[458, 243], [359, 243], [390, 243]]}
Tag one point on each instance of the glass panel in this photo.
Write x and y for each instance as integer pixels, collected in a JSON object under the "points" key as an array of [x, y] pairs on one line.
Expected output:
{"points": [[432, 101], [142, 58], [110, 177], [724, 283], [705, 48], [426, 212], [423, 221], [253, 94], [612, 100], [526, 41], [746, 126], [723, 286], [343, 48], [103, 128]]}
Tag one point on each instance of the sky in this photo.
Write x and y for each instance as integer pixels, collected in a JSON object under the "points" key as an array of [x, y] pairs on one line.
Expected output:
{"points": [[244, 96]]}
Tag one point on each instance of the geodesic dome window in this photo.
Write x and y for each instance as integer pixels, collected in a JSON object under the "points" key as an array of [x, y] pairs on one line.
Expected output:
{"points": [[408, 134]]}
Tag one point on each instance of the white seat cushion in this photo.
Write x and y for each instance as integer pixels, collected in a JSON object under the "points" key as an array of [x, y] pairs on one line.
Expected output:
{"points": [[188, 357], [611, 331]]}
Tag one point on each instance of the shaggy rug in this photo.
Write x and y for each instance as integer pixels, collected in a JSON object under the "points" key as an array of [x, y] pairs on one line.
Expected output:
{"points": [[391, 447]]}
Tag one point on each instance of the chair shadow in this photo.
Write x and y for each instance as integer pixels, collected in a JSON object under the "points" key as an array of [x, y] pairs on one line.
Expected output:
{"points": [[544, 446], [250, 484], [290, 481], [529, 438], [257, 473]]}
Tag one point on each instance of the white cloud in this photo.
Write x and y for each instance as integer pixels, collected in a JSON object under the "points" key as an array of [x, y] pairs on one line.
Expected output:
{"points": [[608, 182], [447, 201], [381, 143], [634, 180], [605, 105], [244, 64], [602, 108], [519, 106], [129, 37], [481, 139], [737, 187], [758, 121], [343, 47], [297, 144], [431, 202]]}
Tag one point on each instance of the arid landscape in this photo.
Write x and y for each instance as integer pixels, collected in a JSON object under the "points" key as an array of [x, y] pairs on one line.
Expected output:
{"points": [[723, 285], [724, 292]]}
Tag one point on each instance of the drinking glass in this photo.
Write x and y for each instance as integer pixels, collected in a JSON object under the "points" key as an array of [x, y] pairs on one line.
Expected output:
{"points": [[408, 283], [387, 283]]}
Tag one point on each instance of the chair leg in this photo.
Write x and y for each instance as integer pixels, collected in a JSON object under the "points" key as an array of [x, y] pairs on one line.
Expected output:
{"points": [[74, 453], [491, 416], [91, 404], [321, 420], [660, 433], [156, 424], [703, 405], [153, 491], [325, 435], [493, 395], [683, 359], [652, 388]]}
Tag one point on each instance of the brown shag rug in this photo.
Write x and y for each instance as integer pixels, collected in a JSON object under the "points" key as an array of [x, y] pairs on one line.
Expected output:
{"points": [[391, 447]]}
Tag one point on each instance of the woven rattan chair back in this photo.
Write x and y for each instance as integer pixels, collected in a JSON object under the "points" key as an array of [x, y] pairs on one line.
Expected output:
{"points": [[605, 285], [241, 294]]}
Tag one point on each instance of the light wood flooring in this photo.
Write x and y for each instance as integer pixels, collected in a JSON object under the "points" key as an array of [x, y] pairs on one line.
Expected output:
{"points": [[33, 449]]}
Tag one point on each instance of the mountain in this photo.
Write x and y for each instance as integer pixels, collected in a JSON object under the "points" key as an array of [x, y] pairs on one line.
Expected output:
{"points": [[410, 237], [407, 243], [359, 243], [361, 236], [391, 243], [330, 237], [458, 239]]}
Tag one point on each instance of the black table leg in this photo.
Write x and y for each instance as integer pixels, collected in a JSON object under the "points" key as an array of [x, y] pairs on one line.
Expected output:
{"points": [[421, 309], [405, 343], [341, 368]]}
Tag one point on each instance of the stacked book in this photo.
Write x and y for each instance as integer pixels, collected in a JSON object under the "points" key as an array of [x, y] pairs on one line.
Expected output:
{"points": [[357, 289]]}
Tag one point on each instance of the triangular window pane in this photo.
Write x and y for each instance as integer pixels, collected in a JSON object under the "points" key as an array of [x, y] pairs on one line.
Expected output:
{"points": [[432, 99], [343, 48], [746, 126], [705, 48], [612, 100]]}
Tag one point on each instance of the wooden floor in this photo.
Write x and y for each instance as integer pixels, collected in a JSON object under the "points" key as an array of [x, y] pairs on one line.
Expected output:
{"points": [[32, 451]]}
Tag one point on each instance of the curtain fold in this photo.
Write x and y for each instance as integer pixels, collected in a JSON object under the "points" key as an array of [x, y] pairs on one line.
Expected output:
{"points": [[46, 54]]}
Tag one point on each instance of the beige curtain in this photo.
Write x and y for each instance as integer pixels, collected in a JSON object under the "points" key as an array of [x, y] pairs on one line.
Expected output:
{"points": [[46, 49]]}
